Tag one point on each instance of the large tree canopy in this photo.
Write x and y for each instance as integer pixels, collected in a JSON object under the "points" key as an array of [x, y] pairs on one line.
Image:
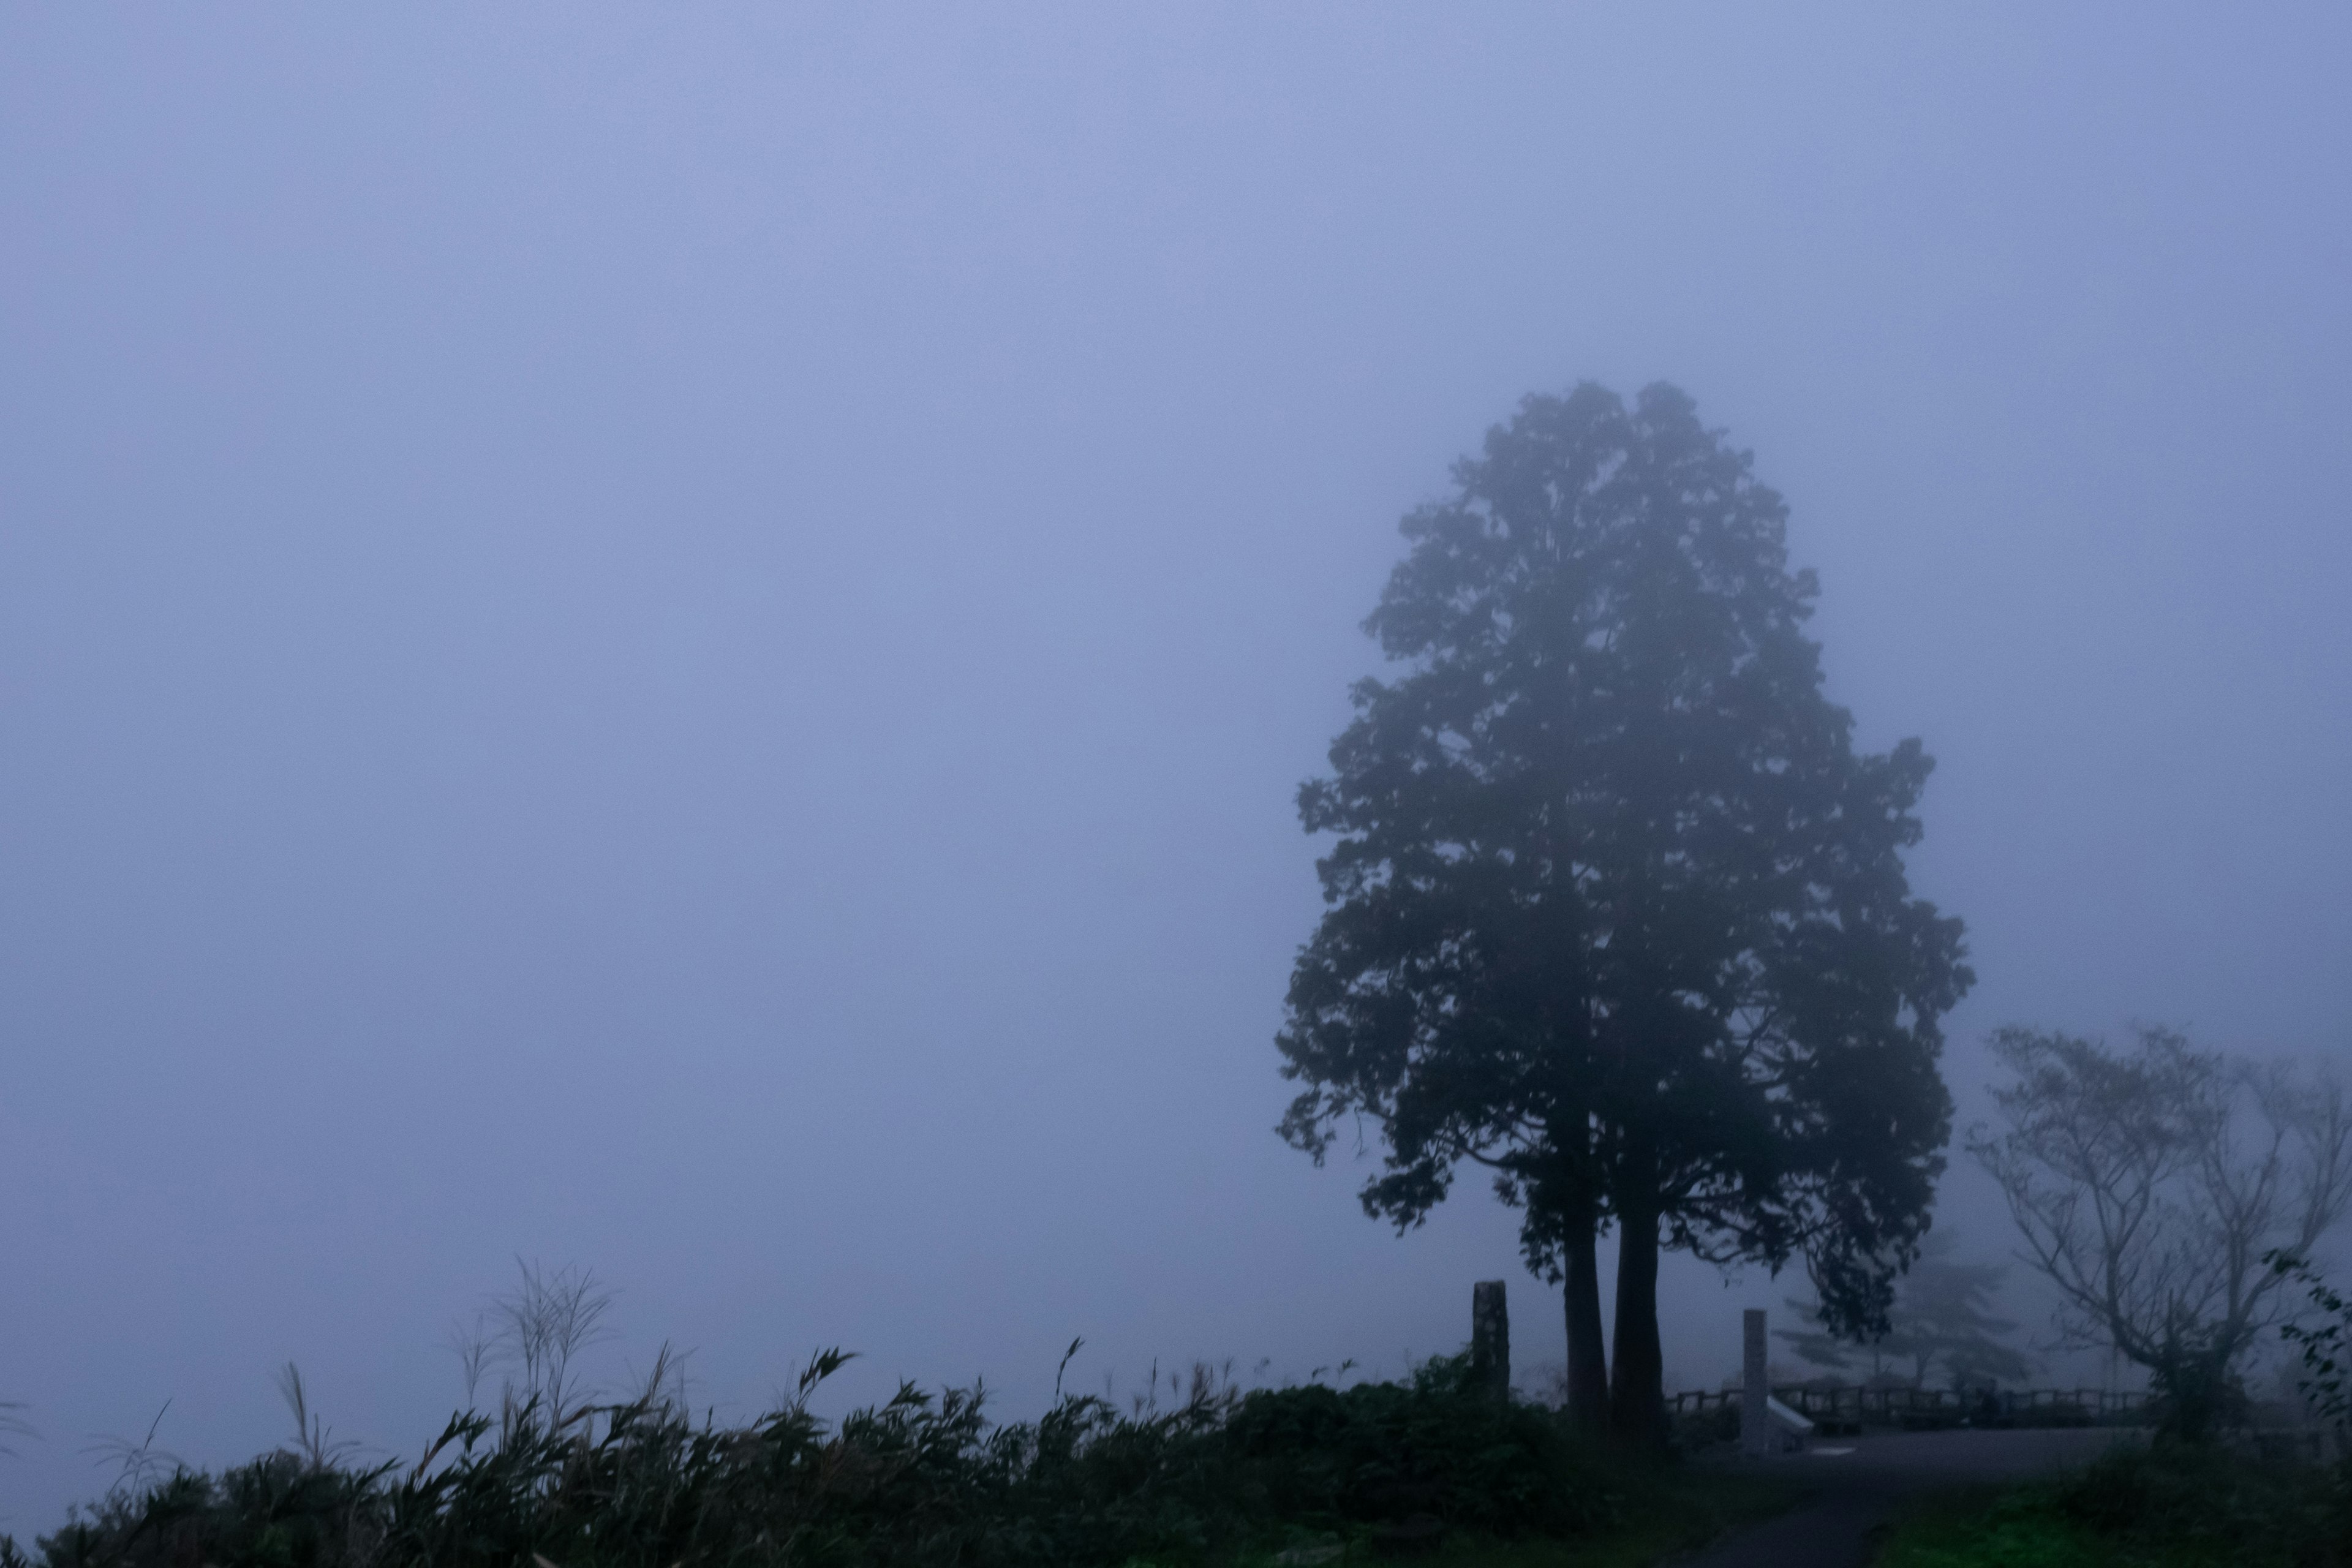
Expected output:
{"points": [[1615, 910]]}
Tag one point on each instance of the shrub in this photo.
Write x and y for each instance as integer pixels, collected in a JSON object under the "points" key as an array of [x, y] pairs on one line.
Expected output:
{"points": [[1386, 1451]]}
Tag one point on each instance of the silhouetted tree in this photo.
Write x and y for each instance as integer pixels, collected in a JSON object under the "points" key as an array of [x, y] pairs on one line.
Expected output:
{"points": [[1616, 912], [1942, 1324], [2150, 1186]]}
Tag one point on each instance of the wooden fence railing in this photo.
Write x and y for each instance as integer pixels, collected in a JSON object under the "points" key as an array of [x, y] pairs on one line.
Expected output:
{"points": [[1932, 1406]]}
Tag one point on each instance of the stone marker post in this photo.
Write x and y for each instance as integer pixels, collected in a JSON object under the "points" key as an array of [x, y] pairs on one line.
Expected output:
{"points": [[1490, 1339], [1755, 1419]]}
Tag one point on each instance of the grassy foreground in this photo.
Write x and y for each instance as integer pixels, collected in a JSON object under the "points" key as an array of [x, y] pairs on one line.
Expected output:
{"points": [[2177, 1508], [1670, 1512], [1285, 1478]]}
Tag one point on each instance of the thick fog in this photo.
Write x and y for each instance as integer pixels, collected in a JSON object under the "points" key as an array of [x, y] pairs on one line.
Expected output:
{"points": [[679, 641]]}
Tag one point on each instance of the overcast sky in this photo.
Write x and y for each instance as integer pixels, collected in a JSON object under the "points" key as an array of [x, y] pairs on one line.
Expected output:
{"points": [[679, 639]]}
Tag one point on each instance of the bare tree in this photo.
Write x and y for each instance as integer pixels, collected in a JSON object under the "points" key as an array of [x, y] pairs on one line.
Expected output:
{"points": [[2149, 1185]]}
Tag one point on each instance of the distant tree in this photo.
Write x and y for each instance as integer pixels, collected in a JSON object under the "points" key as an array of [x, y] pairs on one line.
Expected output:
{"points": [[1942, 1326], [2149, 1185], [1615, 910]]}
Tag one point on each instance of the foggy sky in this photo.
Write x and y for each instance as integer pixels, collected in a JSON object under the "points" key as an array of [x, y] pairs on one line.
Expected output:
{"points": [[679, 641]]}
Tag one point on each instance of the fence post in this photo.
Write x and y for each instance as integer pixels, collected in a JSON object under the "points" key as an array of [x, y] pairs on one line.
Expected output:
{"points": [[1490, 1340], [1754, 1438]]}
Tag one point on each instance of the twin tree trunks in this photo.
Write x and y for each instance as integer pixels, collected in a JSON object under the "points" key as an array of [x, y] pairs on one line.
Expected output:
{"points": [[1490, 1361]]}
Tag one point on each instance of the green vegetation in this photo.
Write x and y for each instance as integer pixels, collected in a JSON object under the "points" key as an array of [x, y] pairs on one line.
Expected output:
{"points": [[2175, 1506], [1290, 1476]]}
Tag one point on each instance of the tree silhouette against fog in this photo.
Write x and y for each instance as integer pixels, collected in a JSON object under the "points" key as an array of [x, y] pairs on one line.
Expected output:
{"points": [[1616, 912], [2151, 1185], [1942, 1325]]}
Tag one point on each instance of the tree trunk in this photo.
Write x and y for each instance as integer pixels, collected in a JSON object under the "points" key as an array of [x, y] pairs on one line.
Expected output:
{"points": [[1637, 1398], [1588, 1357]]}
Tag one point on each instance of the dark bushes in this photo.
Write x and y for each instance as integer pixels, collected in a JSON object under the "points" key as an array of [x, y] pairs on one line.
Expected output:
{"points": [[1384, 1451], [2212, 1505], [2181, 1505]]}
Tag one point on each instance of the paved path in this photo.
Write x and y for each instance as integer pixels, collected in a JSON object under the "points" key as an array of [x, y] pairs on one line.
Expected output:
{"points": [[1863, 1481]]}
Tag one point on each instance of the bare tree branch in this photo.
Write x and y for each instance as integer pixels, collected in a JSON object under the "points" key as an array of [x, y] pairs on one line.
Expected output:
{"points": [[2148, 1185]]}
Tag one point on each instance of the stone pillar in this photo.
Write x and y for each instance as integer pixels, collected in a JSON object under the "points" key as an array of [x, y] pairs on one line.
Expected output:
{"points": [[1755, 1420], [1490, 1339]]}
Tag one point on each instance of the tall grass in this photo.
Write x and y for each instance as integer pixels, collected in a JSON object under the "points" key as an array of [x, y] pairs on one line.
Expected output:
{"points": [[1210, 1474], [11, 1424]]}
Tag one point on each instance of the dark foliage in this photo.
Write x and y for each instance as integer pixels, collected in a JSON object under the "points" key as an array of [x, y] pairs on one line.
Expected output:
{"points": [[1614, 908], [2324, 1346], [2206, 1505], [1384, 1451], [2169, 1505], [921, 1479]]}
